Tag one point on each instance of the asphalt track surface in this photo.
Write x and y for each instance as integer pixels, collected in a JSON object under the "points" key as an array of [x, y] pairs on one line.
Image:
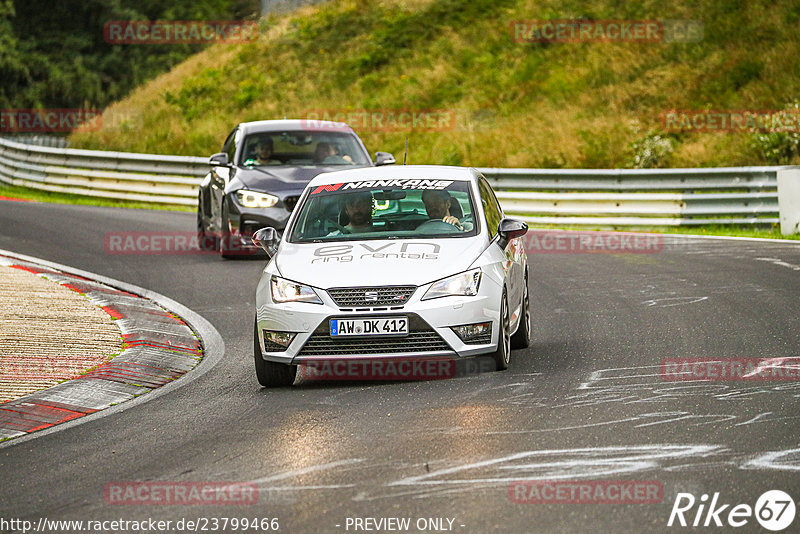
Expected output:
{"points": [[585, 402]]}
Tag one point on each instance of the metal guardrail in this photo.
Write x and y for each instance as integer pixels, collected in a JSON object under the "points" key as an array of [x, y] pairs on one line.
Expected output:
{"points": [[55, 141], [115, 175], [638, 197]]}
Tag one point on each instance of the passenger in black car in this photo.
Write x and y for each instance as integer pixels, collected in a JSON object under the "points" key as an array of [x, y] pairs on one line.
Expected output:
{"points": [[326, 153]]}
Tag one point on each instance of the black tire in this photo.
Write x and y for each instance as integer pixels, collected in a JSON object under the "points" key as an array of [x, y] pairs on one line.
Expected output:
{"points": [[205, 240], [271, 374], [522, 337], [225, 239], [502, 356]]}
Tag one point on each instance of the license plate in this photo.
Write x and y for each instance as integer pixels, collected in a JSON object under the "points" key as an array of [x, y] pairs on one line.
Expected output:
{"points": [[370, 326]]}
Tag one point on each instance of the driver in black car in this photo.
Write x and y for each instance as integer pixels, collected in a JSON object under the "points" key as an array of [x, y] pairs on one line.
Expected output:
{"points": [[437, 205], [264, 150]]}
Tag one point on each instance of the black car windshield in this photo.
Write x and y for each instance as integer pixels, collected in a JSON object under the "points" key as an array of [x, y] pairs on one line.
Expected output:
{"points": [[302, 148], [385, 209]]}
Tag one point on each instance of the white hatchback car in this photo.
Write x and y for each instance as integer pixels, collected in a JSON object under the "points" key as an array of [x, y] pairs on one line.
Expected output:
{"points": [[406, 262]]}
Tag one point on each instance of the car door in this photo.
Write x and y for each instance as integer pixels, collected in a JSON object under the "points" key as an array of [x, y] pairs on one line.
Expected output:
{"points": [[512, 265], [220, 176]]}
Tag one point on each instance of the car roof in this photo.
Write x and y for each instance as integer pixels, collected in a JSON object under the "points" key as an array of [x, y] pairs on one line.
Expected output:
{"points": [[420, 172], [294, 125]]}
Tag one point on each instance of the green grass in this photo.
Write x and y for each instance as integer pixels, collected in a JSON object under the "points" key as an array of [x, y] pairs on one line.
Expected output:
{"points": [[542, 105], [65, 198], [771, 231]]}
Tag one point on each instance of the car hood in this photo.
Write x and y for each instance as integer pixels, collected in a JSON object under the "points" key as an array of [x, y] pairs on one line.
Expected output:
{"points": [[377, 263], [279, 178]]}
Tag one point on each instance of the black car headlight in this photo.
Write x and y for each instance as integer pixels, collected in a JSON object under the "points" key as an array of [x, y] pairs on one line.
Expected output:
{"points": [[253, 199]]}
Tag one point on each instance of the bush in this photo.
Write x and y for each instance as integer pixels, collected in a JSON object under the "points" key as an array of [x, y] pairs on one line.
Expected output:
{"points": [[653, 151], [779, 148]]}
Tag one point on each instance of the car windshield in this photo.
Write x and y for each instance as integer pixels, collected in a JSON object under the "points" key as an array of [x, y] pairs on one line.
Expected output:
{"points": [[385, 209], [302, 148]]}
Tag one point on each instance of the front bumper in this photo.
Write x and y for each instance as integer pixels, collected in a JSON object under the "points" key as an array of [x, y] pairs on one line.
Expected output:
{"points": [[429, 335], [243, 222]]}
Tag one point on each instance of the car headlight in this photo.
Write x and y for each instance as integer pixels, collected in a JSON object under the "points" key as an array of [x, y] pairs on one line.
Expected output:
{"points": [[251, 199], [287, 291], [464, 284]]}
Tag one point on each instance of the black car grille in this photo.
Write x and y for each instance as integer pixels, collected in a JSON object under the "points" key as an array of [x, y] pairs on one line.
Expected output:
{"points": [[421, 338], [290, 202], [358, 297], [415, 342]]}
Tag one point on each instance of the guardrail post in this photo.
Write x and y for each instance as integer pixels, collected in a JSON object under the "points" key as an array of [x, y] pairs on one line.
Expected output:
{"points": [[789, 200]]}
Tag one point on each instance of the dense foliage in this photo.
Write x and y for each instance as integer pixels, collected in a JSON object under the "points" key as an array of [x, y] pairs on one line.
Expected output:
{"points": [[53, 53]]}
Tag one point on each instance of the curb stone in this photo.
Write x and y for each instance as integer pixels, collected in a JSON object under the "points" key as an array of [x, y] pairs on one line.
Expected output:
{"points": [[158, 348]]}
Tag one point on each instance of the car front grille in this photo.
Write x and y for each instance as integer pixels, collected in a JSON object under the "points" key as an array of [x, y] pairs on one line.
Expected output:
{"points": [[415, 342], [421, 339], [358, 297]]}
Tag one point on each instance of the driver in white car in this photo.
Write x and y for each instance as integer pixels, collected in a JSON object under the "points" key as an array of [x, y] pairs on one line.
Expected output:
{"points": [[437, 205]]}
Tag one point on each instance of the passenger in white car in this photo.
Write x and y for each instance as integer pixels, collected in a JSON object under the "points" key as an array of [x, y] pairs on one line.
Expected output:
{"points": [[358, 214]]}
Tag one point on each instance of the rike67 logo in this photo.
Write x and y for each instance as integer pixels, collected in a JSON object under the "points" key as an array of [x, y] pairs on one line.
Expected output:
{"points": [[774, 510]]}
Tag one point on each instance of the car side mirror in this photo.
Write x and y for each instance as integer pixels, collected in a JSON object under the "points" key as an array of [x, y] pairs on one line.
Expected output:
{"points": [[384, 158], [509, 229], [268, 239], [219, 160]]}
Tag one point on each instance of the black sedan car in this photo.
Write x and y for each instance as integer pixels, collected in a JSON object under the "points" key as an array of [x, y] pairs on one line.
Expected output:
{"points": [[263, 168]]}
